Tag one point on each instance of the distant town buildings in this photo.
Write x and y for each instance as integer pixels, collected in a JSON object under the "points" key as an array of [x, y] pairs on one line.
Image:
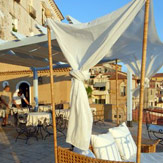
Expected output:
{"points": [[103, 84]]}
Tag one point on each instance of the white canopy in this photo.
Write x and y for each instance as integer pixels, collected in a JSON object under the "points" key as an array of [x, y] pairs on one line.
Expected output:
{"points": [[129, 46], [84, 45]]}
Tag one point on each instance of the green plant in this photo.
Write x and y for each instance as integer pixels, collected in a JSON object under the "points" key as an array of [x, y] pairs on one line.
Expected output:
{"points": [[89, 91]]}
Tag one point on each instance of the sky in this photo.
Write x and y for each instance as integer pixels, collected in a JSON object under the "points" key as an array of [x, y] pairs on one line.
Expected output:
{"points": [[87, 10]]}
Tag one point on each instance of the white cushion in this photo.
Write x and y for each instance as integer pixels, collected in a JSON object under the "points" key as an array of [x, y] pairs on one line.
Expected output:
{"points": [[104, 147], [125, 143], [84, 152]]}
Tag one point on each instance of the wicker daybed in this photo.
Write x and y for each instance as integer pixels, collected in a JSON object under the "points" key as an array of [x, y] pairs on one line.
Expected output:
{"points": [[65, 155]]}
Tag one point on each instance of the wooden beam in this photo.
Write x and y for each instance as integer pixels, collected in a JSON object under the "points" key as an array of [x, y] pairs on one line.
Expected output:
{"points": [[143, 65]]}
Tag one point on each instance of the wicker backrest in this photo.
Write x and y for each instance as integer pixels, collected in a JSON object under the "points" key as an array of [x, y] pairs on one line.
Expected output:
{"points": [[67, 156]]}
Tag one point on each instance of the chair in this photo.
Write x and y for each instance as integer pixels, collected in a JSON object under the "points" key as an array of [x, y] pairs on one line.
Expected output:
{"points": [[154, 131], [23, 130], [61, 124], [98, 116]]}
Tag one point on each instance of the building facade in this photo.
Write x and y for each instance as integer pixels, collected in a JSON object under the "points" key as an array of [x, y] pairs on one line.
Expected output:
{"points": [[22, 16], [24, 80], [157, 83]]}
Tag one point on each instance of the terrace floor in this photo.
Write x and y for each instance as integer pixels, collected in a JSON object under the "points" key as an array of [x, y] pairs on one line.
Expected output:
{"points": [[42, 151]]}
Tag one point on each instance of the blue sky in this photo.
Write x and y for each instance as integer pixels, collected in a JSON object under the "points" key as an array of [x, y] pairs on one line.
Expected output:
{"points": [[87, 10]]}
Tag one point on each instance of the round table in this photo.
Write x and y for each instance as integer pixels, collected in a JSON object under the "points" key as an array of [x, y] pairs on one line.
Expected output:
{"points": [[38, 118], [15, 110]]}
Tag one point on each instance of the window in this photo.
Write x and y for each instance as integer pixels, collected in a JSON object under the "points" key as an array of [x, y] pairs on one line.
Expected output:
{"points": [[99, 101], [43, 16], [18, 1], [14, 24], [32, 11], [122, 89], [102, 88], [161, 92]]}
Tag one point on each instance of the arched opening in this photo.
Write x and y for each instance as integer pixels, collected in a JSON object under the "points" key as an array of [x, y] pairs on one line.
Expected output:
{"points": [[25, 87]]}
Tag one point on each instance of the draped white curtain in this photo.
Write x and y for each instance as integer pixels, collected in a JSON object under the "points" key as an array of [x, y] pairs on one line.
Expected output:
{"points": [[84, 45], [130, 48]]}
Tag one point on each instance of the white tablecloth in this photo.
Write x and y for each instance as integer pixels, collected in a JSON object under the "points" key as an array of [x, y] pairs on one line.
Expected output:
{"points": [[44, 108], [64, 112], [19, 111], [33, 119], [2, 113]]}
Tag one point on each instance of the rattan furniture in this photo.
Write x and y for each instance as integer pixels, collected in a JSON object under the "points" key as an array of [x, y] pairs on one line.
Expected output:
{"points": [[67, 156], [148, 146]]}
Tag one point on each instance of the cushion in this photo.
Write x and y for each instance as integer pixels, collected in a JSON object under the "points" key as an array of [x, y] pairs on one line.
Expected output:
{"points": [[84, 152], [125, 143], [105, 148]]}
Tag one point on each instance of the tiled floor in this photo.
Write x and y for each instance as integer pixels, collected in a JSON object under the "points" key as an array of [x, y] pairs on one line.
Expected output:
{"points": [[41, 151]]}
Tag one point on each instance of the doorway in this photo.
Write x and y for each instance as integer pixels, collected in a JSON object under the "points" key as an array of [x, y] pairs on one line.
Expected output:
{"points": [[25, 88]]}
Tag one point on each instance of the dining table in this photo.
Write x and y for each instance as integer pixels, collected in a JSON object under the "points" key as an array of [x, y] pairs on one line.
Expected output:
{"points": [[38, 118]]}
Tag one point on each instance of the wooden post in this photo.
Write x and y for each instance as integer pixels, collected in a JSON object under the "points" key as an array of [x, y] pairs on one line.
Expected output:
{"points": [[48, 15], [141, 100], [116, 97]]}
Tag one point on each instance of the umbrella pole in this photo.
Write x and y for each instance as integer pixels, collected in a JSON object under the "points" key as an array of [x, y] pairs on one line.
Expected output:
{"points": [[117, 110], [48, 15], [144, 53]]}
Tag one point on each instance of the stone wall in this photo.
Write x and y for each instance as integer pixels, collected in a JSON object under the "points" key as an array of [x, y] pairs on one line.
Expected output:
{"points": [[19, 14]]}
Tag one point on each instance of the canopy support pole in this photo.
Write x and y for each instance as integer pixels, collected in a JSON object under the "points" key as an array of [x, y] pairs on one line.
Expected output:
{"points": [[129, 98], [35, 85], [48, 15], [116, 96], [143, 65]]}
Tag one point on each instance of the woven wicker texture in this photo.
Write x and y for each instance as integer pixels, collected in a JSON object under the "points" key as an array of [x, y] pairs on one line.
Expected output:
{"points": [[149, 148], [67, 156]]}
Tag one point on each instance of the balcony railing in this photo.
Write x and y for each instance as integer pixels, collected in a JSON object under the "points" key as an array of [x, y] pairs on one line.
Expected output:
{"points": [[97, 92], [32, 12]]}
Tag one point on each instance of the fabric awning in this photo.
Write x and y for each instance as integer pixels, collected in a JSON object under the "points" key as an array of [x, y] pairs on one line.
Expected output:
{"points": [[99, 84], [30, 51]]}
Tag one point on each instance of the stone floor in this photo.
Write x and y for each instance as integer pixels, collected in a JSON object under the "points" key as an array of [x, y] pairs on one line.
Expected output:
{"points": [[42, 151]]}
